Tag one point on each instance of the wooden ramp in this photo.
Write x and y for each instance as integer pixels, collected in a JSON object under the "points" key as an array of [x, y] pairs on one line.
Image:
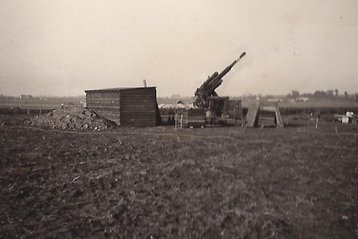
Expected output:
{"points": [[264, 116], [252, 115], [279, 121]]}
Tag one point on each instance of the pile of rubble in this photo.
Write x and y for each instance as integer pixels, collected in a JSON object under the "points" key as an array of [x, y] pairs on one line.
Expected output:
{"points": [[71, 119]]}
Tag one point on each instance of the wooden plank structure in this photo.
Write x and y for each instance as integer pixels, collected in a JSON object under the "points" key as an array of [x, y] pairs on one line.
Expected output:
{"points": [[252, 115], [279, 120], [233, 109], [194, 118], [126, 106], [264, 116]]}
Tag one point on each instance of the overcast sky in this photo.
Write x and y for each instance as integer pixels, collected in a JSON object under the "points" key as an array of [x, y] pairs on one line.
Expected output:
{"points": [[63, 47]]}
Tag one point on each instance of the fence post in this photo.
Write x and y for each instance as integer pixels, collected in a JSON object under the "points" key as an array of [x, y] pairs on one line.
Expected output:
{"points": [[181, 121], [176, 120]]}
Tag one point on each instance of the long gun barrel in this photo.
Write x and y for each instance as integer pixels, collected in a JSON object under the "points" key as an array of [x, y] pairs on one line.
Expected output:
{"points": [[227, 69], [207, 89], [216, 79]]}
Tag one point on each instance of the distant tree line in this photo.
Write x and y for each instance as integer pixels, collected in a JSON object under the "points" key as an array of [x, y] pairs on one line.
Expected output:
{"points": [[319, 94]]}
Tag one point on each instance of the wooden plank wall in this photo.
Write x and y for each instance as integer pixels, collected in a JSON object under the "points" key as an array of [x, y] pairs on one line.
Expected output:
{"points": [[106, 104], [233, 109], [138, 107], [194, 117]]}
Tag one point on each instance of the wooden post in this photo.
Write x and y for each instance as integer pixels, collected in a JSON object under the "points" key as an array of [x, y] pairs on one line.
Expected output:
{"points": [[181, 121], [176, 120], [317, 119]]}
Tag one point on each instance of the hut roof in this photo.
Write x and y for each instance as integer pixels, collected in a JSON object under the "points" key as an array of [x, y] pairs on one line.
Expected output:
{"points": [[118, 89]]}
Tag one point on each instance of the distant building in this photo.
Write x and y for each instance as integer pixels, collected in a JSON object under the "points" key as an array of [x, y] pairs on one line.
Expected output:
{"points": [[25, 97], [302, 99], [274, 100], [126, 106]]}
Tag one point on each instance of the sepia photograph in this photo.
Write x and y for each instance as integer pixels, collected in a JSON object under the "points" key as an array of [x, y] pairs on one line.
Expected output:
{"points": [[179, 119]]}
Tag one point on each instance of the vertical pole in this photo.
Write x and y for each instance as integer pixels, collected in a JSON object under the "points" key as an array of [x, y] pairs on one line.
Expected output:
{"points": [[181, 121], [176, 120], [317, 119]]}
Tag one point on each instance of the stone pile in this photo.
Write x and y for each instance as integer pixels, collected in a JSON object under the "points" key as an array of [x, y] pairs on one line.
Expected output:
{"points": [[71, 119]]}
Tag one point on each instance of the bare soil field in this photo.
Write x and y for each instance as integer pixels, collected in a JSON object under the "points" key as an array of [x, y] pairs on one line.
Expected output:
{"points": [[296, 182]]}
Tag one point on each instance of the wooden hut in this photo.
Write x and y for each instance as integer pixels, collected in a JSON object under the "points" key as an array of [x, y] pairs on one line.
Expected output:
{"points": [[126, 106]]}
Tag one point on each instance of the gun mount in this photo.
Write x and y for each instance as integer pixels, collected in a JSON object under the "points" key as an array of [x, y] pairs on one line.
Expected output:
{"points": [[205, 96]]}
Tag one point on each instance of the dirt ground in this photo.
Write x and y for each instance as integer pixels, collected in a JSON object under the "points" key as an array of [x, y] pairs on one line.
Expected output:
{"points": [[296, 182]]}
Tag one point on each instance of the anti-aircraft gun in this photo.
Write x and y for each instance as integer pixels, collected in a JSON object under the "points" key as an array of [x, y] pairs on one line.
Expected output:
{"points": [[207, 99]]}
